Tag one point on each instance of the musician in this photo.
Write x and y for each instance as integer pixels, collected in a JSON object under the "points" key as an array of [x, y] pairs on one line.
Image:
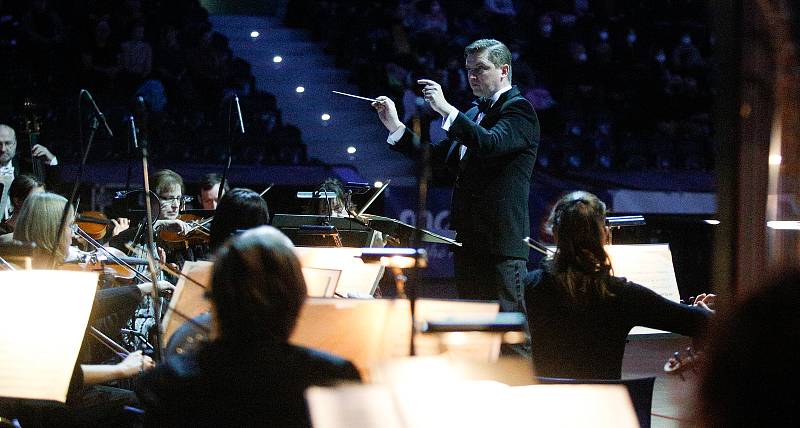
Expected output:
{"points": [[209, 191], [11, 165], [22, 186], [169, 187], [337, 206], [579, 314], [249, 373], [239, 209], [491, 150], [87, 404]]}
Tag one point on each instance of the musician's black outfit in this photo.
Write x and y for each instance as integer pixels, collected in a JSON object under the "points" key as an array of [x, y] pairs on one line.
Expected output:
{"points": [[587, 340], [229, 384]]}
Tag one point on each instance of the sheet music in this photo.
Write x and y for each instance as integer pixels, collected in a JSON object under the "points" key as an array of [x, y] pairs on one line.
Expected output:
{"points": [[42, 325], [321, 282], [649, 265], [462, 403]]}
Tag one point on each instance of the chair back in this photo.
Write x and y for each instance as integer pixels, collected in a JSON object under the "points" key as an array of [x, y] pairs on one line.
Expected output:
{"points": [[640, 390]]}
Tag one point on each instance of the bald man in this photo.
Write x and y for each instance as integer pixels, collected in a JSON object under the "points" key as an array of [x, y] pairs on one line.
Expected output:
{"points": [[10, 166]]}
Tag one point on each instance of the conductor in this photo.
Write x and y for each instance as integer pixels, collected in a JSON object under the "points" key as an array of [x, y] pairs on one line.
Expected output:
{"points": [[491, 150]]}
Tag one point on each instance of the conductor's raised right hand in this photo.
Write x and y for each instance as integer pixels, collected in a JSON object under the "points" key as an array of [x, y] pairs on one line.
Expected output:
{"points": [[387, 113]]}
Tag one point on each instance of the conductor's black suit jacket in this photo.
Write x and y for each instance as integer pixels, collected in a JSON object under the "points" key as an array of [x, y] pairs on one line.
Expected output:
{"points": [[490, 200]]}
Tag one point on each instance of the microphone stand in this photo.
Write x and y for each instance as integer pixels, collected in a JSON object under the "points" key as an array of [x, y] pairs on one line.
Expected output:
{"points": [[94, 124], [423, 175], [135, 145], [151, 249], [230, 142]]}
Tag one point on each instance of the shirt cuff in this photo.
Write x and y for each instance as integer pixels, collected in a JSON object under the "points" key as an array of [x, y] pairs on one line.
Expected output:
{"points": [[53, 162], [448, 121], [395, 136]]}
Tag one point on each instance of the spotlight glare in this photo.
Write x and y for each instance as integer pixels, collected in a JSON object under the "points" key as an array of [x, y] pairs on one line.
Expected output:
{"points": [[277, 58], [378, 184], [712, 222], [299, 89], [351, 150], [325, 116], [775, 159], [783, 225], [254, 34]]}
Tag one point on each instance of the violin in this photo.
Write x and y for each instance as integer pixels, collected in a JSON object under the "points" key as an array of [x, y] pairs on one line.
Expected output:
{"points": [[198, 234], [94, 223], [91, 261], [107, 260]]}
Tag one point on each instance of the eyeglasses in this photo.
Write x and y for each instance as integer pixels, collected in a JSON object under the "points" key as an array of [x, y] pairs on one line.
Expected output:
{"points": [[174, 200]]}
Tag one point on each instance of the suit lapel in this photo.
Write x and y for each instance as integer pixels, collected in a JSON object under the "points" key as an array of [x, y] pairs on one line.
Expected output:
{"points": [[487, 121]]}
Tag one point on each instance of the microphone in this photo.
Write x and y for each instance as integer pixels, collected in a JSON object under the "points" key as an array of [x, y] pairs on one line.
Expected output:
{"points": [[98, 114], [239, 112], [140, 111]]}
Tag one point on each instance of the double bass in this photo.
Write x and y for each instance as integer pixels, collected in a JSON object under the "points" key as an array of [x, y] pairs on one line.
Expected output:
{"points": [[33, 131]]}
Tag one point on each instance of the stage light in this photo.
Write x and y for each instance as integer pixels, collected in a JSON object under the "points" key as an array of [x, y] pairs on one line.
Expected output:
{"points": [[711, 221], [325, 117], [351, 150], [403, 258], [378, 184], [277, 58], [254, 34], [299, 89], [783, 225]]}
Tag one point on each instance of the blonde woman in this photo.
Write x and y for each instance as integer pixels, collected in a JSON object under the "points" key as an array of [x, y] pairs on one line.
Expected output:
{"points": [[38, 223]]}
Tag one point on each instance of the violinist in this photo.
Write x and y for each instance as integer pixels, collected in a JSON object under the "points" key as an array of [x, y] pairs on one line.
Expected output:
{"points": [[239, 209], [169, 188], [22, 186], [249, 373], [11, 165], [88, 401], [209, 191]]}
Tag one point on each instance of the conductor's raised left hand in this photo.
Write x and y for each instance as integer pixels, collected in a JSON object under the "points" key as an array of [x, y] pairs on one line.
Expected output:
{"points": [[432, 92]]}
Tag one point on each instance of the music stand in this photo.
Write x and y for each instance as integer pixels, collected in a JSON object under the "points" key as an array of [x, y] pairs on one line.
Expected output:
{"points": [[298, 228], [17, 252], [405, 233], [43, 321]]}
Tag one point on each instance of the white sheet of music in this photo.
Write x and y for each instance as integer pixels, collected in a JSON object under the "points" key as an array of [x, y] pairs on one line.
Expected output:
{"points": [[649, 265], [42, 325], [469, 404]]}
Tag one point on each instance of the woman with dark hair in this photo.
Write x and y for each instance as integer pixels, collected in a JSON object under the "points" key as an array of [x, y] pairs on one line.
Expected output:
{"points": [[248, 374], [335, 207], [22, 186], [579, 313], [239, 209]]}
